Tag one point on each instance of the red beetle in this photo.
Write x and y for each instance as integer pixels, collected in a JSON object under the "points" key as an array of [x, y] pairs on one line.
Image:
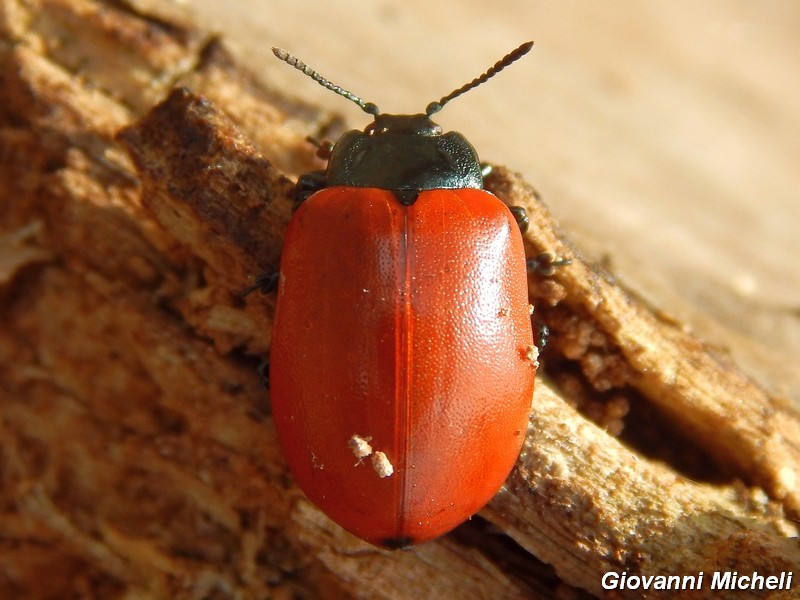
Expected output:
{"points": [[402, 361]]}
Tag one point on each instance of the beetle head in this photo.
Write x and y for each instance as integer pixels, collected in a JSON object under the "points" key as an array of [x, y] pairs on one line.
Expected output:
{"points": [[404, 153]]}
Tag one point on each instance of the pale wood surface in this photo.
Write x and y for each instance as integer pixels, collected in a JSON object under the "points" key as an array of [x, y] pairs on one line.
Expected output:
{"points": [[664, 136]]}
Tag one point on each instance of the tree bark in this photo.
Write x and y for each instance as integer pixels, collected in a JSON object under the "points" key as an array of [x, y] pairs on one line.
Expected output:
{"points": [[145, 181]]}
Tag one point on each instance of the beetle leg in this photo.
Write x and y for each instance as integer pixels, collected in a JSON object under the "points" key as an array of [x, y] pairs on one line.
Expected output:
{"points": [[519, 212], [266, 283], [541, 336], [546, 264], [263, 373], [324, 149], [308, 184], [521, 217]]}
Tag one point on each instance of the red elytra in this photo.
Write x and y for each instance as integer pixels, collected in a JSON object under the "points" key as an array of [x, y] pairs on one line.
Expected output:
{"points": [[402, 361]]}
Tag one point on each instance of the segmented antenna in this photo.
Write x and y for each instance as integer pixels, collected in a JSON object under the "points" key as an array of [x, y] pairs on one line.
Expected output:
{"points": [[291, 59], [501, 64]]}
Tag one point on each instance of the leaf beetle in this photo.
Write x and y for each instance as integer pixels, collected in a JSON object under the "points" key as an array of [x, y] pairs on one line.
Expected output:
{"points": [[402, 362]]}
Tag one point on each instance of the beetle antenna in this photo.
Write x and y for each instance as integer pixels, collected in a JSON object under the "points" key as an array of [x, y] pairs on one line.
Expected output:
{"points": [[291, 59], [501, 64]]}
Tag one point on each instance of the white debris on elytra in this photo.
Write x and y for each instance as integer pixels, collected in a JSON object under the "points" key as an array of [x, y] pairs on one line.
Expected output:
{"points": [[360, 446], [382, 465], [532, 354]]}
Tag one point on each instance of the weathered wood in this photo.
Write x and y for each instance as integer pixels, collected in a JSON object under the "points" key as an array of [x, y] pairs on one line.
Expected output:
{"points": [[138, 454]]}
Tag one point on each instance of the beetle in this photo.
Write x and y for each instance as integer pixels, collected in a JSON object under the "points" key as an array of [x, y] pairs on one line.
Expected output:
{"points": [[402, 361]]}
